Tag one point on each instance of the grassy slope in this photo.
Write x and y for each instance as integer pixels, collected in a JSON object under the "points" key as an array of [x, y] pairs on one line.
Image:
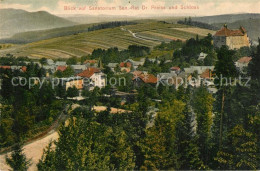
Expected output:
{"points": [[84, 43]]}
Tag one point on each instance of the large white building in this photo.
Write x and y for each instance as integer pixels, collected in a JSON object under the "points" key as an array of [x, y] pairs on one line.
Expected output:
{"points": [[93, 77]]}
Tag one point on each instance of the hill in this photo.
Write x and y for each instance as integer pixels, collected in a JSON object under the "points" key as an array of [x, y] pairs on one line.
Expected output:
{"points": [[227, 18], [146, 33], [15, 21]]}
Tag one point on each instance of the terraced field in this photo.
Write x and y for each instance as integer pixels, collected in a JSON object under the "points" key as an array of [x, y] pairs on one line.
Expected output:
{"points": [[147, 34], [194, 30]]}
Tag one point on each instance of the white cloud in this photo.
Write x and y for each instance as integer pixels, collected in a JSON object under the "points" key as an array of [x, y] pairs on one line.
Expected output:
{"points": [[15, 6]]}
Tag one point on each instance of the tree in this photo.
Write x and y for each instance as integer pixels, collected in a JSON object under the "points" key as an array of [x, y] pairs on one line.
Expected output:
{"points": [[43, 61], [160, 152], [224, 68], [203, 108], [18, 160], [71, 61], [68, 72], [255, 63], [72, 92], [88, 145], [242, 154], [60, 91], [210, 59]]}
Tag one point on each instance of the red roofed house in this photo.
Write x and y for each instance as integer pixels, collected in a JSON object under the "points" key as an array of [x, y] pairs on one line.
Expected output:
{"points": [[95, 78], [207, 74], [93, 63], [207, 77], [5, 67], [24, 68], [234, 39], [61, 68], [143, 77], [175, 69], [125, 66], [243, 62], [14, 67]]}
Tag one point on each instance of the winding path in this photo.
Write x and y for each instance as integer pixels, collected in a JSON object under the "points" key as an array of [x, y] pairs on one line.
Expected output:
{"points": [[33, 149]]}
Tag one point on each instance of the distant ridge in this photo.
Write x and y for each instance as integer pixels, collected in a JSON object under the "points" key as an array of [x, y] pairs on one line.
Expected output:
{"points": [[16, 20], [229, 18]]}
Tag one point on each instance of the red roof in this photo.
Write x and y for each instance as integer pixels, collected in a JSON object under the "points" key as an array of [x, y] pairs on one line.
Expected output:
{"points": [[145, 77], [175, 68], [5, 67], [88, 72], [61, 68], [244, 59], [90, 61], [24, 68], [136, 73], [224, 31], [125, 64], [206, 74]]}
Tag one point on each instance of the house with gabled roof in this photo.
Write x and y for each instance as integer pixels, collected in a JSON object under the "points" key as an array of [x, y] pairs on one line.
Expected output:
{"points": [[61, 68], [243, 62], [93, 77], [78, 68], [141, 77], [60, 63], [234, 39]]}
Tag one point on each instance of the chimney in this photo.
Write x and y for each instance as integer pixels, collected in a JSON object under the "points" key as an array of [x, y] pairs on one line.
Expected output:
{"points": [[225, 25]]}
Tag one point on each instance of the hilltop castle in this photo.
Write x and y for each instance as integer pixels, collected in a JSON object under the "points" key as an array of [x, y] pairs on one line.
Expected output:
{"points": [[234, 39]]}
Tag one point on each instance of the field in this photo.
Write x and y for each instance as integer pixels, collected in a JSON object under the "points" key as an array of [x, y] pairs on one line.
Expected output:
{"points": [[148, 33]]}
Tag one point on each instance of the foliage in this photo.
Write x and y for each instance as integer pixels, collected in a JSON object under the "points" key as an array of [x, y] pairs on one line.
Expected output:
{"points": [[92, 146], [242, 153], [72, 92], [197, 24], [18, 160], [71, 61], [110, 25]]}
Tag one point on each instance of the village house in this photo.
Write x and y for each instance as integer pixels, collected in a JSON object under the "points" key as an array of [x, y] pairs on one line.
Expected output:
{"points": [[92, 63], [15, 67], [93, 78], [164, 77], [49, 62], [78, 68], [61, 68], [140, 77], [243, 62], [112, 66], [234, 39], [60, 63], [125, 66], [198, 69], [73, 82], [175, 69], [135, 64]]}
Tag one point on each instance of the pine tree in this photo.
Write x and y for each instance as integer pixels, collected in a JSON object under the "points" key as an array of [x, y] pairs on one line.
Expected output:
{"points": [[203, 107], [225, 70], [18, 160], [242, 154]]}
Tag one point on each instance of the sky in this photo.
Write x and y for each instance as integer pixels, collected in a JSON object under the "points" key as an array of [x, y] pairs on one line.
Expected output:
{"points": [[202, 7]]}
